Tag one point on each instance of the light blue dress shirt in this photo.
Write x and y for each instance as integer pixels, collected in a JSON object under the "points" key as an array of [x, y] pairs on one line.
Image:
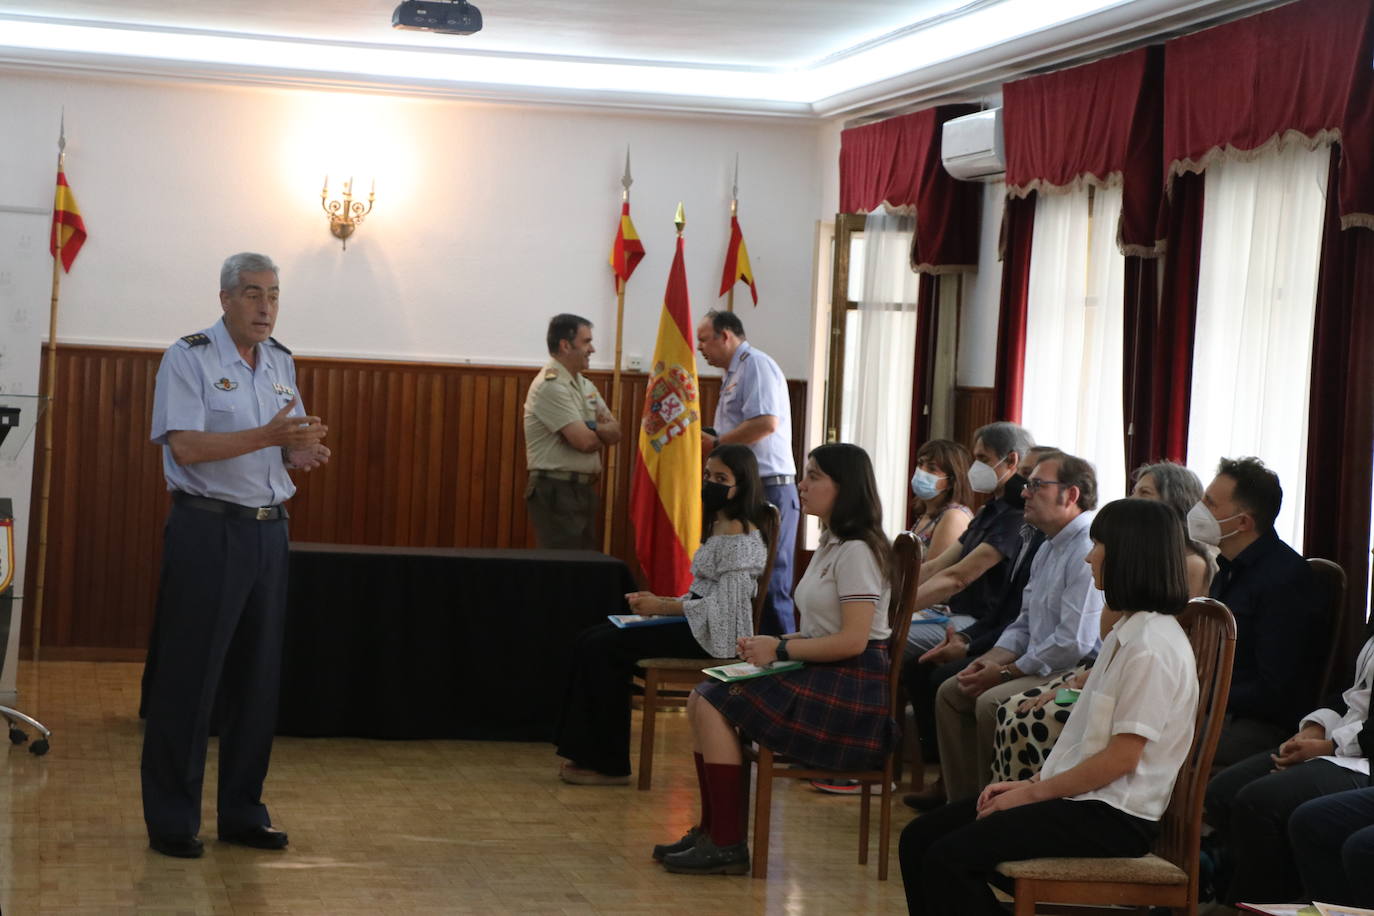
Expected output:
{"points": [[210, 388], [1061, 608], [754, 386]]}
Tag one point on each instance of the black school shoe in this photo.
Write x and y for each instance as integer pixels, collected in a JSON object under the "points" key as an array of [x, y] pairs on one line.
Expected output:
{"points": [[689, 839], [706, 858], [256, 837], [177, 846]]}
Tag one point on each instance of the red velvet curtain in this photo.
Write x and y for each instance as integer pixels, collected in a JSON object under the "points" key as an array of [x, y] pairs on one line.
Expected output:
{"points": [[1094, 121], [1140, 339], [1304, 67], [1018, 226], [1340, 432], [898, 161], [923, 376], [1161, 430]]}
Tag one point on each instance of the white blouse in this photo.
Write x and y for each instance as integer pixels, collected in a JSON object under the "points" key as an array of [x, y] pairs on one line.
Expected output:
{"points": [[1345, 730], [725, 573], [1144, 683]]}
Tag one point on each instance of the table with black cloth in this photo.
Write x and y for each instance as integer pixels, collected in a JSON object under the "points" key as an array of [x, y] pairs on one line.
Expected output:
{"points": [[417, 642]]}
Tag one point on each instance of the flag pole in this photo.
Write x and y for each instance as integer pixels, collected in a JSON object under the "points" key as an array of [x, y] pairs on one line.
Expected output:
{"points": [[734, 211], [611, 463], [49, 390]]}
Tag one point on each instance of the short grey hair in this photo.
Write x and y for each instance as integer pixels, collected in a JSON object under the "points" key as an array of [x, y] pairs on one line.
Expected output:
{"points": [[230, 275], [1179, 488], [1003, 438]]}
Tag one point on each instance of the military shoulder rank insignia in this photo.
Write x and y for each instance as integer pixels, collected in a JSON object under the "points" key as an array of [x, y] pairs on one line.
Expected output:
{"points": [[226, 384], [197, 340], [283, 390], [550, 375], [279, 345]]}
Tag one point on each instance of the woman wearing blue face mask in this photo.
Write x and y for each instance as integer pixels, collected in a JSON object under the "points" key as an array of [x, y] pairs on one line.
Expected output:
{"points": [[594, 733], [942, 492]]}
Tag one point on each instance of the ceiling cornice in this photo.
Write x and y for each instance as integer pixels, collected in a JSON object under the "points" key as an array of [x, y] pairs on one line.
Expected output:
{"points": [[970, 76]]}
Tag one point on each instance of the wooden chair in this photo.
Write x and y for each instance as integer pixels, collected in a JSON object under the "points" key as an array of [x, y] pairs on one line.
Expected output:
{"points": [[1169, 876], [1330, 580], [771, 766], [666, 682]]}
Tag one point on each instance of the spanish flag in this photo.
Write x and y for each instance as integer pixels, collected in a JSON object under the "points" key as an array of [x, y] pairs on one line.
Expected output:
{"points": [[665, 494], [627, 250], [737, 263], [68, 231]]}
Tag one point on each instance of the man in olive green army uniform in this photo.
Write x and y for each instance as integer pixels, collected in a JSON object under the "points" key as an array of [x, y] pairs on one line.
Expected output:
{"points": [[566, 426]]}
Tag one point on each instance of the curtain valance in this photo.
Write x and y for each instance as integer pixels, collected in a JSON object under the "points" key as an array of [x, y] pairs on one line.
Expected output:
{"points": [[1097, 124], [1301, 73], [897, 161]]}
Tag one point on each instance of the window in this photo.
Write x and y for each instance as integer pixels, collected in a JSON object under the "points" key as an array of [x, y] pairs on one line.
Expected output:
{"points": [[1074, 326], [1257, 290]]}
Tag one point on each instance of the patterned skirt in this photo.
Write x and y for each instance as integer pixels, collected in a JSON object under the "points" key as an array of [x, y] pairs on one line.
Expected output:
{"points": [[831, 715], [1022, 741]]}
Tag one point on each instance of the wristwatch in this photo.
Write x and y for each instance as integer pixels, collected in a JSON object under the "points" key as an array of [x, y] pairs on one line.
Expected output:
{"points": [[1006, 673], [782, 651]]}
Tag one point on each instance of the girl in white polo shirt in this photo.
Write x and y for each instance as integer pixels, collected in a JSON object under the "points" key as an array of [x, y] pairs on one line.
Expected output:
{"points": [[1108, 780]]}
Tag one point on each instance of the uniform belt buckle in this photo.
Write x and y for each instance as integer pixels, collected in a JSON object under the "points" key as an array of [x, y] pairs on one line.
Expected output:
{"points": [[264, 513]]}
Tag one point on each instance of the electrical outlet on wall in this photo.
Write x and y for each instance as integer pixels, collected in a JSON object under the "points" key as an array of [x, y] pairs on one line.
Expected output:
{"points": [[635, 363]]}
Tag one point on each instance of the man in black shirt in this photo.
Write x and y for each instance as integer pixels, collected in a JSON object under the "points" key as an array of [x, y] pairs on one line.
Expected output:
{"points": [[1281, 627], [923, 675]]}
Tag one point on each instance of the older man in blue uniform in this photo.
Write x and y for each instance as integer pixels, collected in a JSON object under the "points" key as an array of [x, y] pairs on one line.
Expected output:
{"points": [[754, 410], [230, 422]]}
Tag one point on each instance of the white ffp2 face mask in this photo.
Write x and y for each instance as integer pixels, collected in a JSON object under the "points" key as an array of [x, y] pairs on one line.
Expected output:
{"points": [[1204, 527], [982, 478]]}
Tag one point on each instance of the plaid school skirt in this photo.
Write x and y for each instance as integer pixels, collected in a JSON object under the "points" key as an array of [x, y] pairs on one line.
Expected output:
{"points": [[830, 715]]}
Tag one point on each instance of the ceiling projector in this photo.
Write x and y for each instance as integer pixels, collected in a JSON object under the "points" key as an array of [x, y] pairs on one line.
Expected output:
{"points": [[451, 17]]}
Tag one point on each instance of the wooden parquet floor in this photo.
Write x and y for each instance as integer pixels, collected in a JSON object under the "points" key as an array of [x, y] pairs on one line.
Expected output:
{"points": [[393, 827]]}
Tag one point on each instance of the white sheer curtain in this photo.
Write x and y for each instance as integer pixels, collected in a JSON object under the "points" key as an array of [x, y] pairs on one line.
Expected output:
{"points": [[1257, 288], [880, 343], [1074, 318]]}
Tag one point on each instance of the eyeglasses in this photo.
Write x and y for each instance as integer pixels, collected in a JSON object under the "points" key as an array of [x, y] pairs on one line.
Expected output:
{"points": [[1035, 483]]}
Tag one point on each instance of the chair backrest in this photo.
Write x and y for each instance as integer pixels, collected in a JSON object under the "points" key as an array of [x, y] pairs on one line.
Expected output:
{"points": [[770, 536], [1330, 582], [1212, 631], [906, 554]]}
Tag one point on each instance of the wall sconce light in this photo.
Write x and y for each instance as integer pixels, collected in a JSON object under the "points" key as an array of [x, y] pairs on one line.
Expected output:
{"points": [[347, 213]]}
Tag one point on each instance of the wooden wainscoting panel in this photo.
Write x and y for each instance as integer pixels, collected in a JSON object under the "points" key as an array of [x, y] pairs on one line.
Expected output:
{"points": [[425, 454], [973, 408]]}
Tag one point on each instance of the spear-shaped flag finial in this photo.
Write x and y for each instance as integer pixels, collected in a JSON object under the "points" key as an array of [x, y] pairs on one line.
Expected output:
{"points": [[737, 266], [680, 218], [627, 250]]}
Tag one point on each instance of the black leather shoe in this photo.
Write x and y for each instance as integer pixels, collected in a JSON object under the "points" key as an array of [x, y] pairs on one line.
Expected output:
{"points": [[706, 858], [689, 839], [928, 799], [256, 837], [178, 846]]}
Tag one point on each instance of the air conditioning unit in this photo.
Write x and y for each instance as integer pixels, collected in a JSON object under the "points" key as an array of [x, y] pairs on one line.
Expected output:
{"points": [[971, 147]]}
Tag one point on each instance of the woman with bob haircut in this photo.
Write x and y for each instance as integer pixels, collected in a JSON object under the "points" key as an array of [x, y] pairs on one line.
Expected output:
{"points": [[1027, 727], [594, 734], [1107, 782], [832, 712]]}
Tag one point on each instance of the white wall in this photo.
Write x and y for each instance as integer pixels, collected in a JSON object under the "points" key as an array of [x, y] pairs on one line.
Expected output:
{"points": [[488, 220]]}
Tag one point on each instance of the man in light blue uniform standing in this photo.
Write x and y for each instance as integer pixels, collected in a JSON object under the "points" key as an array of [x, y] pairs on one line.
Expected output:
{"points": [[231, 424], [754, 410]]}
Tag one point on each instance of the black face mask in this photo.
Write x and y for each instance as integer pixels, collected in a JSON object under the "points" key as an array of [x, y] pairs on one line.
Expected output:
{"points": [[714, 496]]}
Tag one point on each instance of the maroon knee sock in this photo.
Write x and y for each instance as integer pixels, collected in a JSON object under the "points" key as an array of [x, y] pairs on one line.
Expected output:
{"points": [[705, 823], [723, 788]]}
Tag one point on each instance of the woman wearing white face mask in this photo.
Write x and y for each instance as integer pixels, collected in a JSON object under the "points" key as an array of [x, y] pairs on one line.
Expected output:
{"points": [[941, 488]]}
